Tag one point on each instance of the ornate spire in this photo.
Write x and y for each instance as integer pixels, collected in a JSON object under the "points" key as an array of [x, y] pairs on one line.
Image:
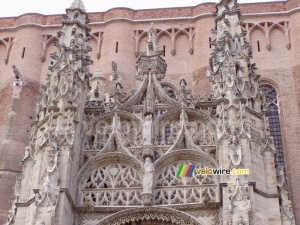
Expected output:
{"points": [[232, 74], [78, 4], [64, 91], [151, 61]]}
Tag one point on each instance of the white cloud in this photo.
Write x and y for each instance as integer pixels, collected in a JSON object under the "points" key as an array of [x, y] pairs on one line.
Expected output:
{"points": [[18, 7]]}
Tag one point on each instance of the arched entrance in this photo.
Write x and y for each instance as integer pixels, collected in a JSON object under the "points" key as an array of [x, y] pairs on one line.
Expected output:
{"points": [[150, 216]]}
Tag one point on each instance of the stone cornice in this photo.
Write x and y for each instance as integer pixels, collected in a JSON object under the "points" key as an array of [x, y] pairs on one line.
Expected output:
{"points": [[191, 18]]}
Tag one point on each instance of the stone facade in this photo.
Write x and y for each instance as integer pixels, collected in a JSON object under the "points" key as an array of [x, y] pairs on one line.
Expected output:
{"points": [[113, 103]]}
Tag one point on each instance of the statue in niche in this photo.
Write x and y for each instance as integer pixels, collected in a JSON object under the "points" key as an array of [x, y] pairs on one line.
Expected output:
{"points": [[116, 122], [130, 135], [52, 159], [89, 204], [228, 73], [139, 139], [237, 43], [235, 151], [147, 130], [80, 39], [100, 136], [280, 176], [42, 138], [125, 135], [87, 145], [147, 170]]}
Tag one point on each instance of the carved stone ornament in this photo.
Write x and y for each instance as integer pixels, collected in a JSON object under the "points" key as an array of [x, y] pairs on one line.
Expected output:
{"points": [[239, 202], [156, 214], [235, 152]]}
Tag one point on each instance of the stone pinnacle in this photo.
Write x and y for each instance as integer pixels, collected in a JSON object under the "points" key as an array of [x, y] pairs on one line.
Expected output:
{"points": [[78, 4]]}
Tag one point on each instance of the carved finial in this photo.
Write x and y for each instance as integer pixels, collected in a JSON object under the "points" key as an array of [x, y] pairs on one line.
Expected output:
{"points": [[78, 4]]}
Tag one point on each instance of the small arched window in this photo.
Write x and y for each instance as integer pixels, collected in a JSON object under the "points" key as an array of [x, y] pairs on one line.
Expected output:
{"points": [[167, 132], [275, 131]]}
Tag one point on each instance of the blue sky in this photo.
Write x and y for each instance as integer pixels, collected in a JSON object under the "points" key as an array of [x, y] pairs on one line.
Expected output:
{"points": [[18, 7]]}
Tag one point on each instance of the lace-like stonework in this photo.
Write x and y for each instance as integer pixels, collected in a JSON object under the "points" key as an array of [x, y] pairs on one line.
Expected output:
{"points": [[180, 190], [110, 186]]}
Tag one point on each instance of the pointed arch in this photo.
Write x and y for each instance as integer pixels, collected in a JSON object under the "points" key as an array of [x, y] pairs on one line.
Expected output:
{"points": [[183, 32], [143, 214], [48, 39], [8, 43], [98, 38], [274, 26], [185, 154], [259, 27], [264, 32], [102, 161], [274, 120], [166, 33]]}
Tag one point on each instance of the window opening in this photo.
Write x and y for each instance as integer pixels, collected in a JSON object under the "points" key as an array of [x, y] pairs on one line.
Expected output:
{"points": [[23, 53], [117, 47], [274, 121]]}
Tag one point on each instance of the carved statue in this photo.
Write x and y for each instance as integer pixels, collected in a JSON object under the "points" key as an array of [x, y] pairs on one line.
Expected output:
{"points": [[114, 66], [139, 139], [147, 130], [280, 176], [148, 169], [42, 138], [52, 160], [116, 122], [235, 151], [27, 153], [152, 41], [89, 204]]}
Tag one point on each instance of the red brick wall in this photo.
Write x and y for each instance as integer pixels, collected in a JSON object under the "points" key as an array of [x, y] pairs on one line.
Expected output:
{"points": [[279, 66]]}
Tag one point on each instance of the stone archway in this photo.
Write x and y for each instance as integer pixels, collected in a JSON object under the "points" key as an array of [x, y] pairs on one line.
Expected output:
{"points": [[150, 222], [142, 216]]}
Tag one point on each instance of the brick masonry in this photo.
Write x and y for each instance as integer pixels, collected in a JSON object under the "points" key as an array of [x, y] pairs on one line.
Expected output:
{"points": [[278, 66]]}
